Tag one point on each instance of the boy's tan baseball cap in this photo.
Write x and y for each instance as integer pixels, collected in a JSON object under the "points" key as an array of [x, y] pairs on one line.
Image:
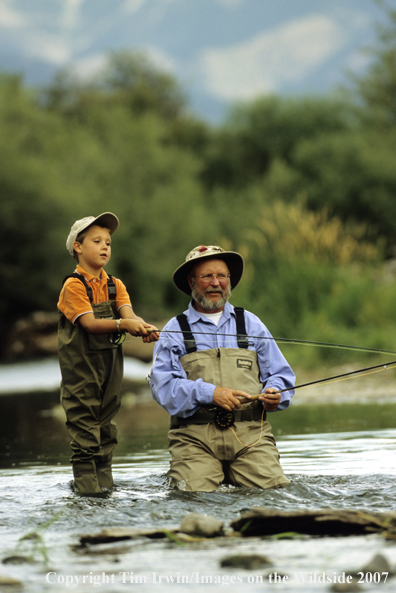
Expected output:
{"points": [[107, 219]]}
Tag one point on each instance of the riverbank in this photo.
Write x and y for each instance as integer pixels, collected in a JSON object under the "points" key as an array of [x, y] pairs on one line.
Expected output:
{"points": [[33, 346], [378, 385], [44, 375]]}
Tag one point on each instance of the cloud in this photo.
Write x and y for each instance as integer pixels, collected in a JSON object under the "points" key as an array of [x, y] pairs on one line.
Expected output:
{"points": [[71, 13], [358, 61], [49, 48], [34, 40], [153, 6], [161, 59], [10, 19], [231, 3], [285, 54], [133, 6], [90, 66]]}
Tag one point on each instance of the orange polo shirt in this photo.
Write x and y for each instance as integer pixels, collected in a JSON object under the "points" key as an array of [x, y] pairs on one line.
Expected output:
{"points": [[74, 301]]}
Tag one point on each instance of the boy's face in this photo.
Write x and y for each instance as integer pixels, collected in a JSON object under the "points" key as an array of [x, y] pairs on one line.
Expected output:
{"points": [[95, 250]]}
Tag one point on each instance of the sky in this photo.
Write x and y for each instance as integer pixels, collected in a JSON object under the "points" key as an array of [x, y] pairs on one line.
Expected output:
{"points": [[221, 51]]}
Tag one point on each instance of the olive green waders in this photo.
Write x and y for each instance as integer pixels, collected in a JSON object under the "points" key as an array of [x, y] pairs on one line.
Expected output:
{"points": [[92, 371], [205, 455]]}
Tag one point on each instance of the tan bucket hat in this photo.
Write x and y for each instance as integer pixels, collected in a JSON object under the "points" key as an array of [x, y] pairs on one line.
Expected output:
{"points": [[107, 219], [233, 260]]}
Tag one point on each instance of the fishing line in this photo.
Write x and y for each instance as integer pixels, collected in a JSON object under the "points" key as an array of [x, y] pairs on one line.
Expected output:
{"points": [[328, 380], [286, 341], [261, 432], [335, 378], [343, 377]]}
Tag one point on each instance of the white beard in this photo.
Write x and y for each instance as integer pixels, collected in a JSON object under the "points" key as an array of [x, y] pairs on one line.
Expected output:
{"points": [[206, 303]]}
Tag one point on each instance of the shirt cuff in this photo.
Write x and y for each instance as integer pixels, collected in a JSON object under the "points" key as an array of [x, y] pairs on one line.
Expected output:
{"points": [[206, 393], [80, 315], [124, 305]]}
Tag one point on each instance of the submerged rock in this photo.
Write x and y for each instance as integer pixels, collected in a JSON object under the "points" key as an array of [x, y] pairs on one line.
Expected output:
{"points": [[246, 561], [377, 564], [194, 524], [346, 587], [201, 525], [328, 522], [116, 534], [17, 559], [9, 581]]}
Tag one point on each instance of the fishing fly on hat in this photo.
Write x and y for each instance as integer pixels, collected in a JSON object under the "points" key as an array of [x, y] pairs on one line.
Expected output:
{"points": [[233, 260], [107, 220]]}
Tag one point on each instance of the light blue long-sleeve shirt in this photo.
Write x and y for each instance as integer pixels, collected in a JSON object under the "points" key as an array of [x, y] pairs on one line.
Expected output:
{"points": [[181, 397]]}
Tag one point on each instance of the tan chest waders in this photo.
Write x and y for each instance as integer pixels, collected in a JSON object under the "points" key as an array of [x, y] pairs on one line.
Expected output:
{"points": [[235, 368], [214, 446]]}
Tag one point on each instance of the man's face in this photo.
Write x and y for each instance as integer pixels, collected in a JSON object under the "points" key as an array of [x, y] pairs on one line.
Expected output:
{"points": [[208, 291]]}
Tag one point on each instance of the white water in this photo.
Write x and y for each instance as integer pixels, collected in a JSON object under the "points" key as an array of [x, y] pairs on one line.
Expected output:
{"points": [[32, 495], [41, 520]]}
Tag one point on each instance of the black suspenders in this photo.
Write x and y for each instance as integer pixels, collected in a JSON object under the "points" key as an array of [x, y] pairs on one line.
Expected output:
{"points": [[241, 328], [189, 340], [111, 287]]}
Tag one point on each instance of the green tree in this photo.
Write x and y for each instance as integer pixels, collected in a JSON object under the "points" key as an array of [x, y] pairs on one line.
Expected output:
{"points": [[269, 128], [312, 277], [29, 214], [377, 86], [128, 78], [98, 154], [355, 176]]}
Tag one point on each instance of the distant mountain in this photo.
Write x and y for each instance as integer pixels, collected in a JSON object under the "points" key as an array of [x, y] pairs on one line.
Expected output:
{"points": [[221, 51]]}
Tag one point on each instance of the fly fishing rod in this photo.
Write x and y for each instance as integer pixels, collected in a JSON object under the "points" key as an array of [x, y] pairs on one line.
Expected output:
{"points": [[286, 341], [334, 378], [382, 367]]}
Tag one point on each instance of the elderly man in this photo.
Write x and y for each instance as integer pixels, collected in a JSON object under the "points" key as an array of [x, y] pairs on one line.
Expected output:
{"points": [[208, 364]]}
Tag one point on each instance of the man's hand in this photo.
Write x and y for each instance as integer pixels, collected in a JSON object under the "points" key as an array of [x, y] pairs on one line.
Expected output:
{"points": [[271, 399], [149, 334], [152, 336], [138, 327], [229, 399]]}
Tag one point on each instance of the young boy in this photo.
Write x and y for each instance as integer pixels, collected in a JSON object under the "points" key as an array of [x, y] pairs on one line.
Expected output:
{"points": [[95, 311]]}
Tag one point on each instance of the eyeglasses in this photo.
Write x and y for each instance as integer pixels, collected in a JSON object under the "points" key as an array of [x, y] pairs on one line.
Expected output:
{"points": [[209, 277]]}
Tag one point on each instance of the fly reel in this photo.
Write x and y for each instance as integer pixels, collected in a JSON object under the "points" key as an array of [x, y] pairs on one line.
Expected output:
{"points": [[117, 339], [224, 419]]}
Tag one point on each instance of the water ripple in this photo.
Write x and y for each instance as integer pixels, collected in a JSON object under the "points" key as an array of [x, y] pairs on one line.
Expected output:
{"points": [[337, 470]]}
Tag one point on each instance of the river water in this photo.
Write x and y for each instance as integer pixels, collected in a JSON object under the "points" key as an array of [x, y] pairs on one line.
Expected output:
{"points": [[336, 456]]}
